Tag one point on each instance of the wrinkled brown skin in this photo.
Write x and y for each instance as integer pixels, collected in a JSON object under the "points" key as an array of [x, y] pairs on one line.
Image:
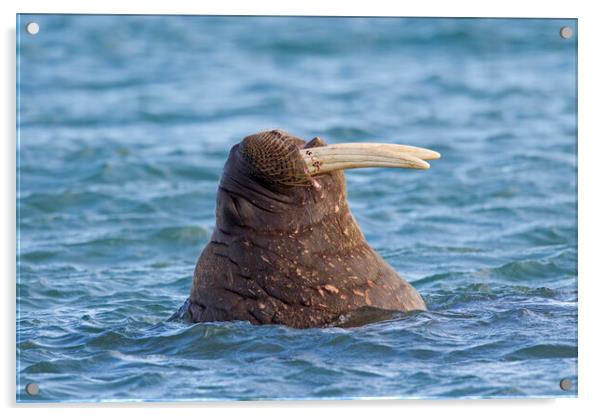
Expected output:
{"points": [[289, 254]]}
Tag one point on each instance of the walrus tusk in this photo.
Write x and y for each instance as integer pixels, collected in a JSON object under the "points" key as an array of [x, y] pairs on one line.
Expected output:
{"points": [[366, 155]]}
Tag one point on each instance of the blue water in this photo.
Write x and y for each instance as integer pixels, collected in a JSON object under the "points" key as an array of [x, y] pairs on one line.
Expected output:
{"points": [[125, 123]]}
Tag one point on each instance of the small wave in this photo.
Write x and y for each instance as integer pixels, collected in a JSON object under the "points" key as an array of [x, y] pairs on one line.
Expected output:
{"points": [[38, 255], [542, 351], [527, 270]]}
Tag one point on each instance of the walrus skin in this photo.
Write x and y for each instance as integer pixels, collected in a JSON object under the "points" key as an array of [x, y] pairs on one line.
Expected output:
{"points": [[288, 251]]}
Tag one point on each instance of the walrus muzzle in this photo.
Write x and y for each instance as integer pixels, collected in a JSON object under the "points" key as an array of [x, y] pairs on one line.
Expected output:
{"points": [[286, 249]]}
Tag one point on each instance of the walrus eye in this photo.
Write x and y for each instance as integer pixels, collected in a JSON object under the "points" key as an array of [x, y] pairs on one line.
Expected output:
{"points": [[365, 155]]}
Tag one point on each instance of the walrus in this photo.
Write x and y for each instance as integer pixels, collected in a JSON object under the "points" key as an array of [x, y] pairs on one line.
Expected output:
{"points": [[286, 249]]}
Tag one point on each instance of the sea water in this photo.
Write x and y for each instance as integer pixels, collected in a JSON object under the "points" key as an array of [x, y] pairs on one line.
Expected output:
{"points": [[125, 124]]}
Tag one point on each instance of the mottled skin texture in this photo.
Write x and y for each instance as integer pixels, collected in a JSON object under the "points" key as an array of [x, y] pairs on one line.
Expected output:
{"points": [[288, 254]]}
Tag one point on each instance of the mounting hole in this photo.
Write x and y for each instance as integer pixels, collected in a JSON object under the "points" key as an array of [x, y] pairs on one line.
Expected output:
{"points": [[32, 389], [566, 32], [32, 28], [566, 384]]}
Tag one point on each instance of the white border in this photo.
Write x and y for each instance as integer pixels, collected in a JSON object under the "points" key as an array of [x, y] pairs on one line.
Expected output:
{"points": [[590, 191]]}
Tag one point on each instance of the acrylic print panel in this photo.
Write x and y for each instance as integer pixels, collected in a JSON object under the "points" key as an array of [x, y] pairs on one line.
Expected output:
{"points": [[125, 124]]}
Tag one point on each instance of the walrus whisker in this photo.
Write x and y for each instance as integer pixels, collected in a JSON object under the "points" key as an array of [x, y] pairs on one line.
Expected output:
{"points": [[365, 155]]}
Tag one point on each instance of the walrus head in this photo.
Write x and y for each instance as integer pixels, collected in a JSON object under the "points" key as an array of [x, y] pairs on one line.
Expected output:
{"points": [[286, 248]]}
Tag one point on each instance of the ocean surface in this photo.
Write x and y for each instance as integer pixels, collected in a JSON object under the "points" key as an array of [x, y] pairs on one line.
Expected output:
{"points": [[125, 124]]}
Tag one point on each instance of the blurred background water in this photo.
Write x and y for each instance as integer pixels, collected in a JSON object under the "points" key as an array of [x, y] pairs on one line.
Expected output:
{"points": [[125, 123]]}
